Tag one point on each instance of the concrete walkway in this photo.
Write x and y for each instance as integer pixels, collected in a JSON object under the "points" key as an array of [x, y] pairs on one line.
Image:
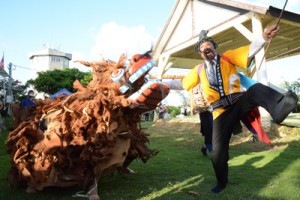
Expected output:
{"points": [[292, 120]]}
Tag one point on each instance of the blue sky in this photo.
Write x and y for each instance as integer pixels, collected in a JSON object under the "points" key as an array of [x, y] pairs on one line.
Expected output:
{"points": [[79, 27], [90, 29]]}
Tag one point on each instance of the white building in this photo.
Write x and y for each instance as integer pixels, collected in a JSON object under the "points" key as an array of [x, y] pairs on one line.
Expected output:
{"points": [[49, 59]]}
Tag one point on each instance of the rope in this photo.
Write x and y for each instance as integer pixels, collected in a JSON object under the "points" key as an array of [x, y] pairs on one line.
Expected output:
{"points": [[272, 37], [287, 52]]}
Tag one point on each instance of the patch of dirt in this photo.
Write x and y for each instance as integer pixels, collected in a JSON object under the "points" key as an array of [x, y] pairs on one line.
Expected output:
{"points": [[177, 125], [279, 135]]}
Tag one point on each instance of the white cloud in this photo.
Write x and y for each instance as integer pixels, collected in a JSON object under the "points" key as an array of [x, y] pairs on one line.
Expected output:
{"points": [[114, 39], [76, 56]]}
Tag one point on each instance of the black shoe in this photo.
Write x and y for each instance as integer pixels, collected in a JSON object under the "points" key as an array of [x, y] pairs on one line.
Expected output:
{"points": [[285, 106], [218, 188], [203, 150]]}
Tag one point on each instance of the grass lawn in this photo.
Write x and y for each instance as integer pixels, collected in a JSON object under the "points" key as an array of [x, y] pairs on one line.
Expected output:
{"points": [[180, 172]]}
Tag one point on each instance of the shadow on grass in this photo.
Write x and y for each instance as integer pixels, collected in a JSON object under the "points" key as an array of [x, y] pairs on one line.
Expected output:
{"points": [[271, 174], [180, 172]]}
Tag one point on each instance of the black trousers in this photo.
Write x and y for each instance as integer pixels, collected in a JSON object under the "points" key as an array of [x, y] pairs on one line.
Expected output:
{"points": [[206, 125], [257, 95]]}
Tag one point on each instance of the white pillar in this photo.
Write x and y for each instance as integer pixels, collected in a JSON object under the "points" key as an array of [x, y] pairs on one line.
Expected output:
{"points": [[260, 63], [259, 58]]}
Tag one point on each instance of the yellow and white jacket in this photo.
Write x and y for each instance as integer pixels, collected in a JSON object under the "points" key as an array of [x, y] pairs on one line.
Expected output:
{"points": [[230, 79]]}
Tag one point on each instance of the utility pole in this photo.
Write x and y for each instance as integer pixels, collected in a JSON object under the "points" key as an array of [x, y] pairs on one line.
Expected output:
{"points": [[9, 97]]}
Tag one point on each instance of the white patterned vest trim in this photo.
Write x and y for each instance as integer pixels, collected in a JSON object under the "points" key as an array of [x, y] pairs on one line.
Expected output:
{"points": [[200, 102]]}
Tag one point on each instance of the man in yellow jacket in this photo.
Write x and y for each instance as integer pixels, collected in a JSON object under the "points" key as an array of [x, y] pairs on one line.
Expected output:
{"points": [[223, 90]]}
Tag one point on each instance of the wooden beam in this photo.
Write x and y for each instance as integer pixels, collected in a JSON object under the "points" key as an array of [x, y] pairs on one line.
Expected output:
{"points": [[170, 26], [259, 57], [243, 30], [242, 5]]}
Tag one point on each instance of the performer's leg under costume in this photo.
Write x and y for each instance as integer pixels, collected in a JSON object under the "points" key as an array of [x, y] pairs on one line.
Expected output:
{"points": [[222, 130], [277, 104], [206, 123]]}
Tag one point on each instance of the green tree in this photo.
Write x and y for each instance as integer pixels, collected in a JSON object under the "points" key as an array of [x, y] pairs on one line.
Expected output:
{"points": [[19, 91], [52, 81], [173, 110], [294, 86], [86, 79]]}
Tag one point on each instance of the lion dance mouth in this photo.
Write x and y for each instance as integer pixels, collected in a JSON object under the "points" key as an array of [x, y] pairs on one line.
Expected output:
{"points": [[92, 133]]}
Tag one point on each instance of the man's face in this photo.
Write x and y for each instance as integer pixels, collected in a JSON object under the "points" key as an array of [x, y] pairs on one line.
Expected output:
{"points": [[207, 51]]}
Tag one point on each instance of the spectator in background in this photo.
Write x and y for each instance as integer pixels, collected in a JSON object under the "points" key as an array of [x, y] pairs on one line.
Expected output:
{"points": [[188, 110], [162, 111], [2, 121], [182, 110], [3, 108], [21, 111], [146, 115], [29, 101], [202, 106], [1, 105]]}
